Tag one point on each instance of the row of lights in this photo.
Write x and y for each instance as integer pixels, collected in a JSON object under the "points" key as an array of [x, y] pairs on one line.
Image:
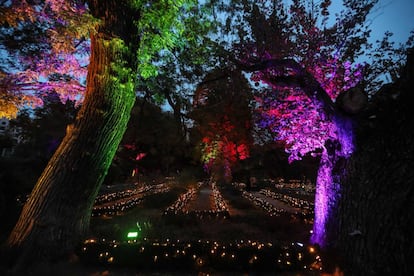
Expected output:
{"points": [[109, 197], [264, 204], [239, 255], [219, 203], [178, 206], [304, 205], [118, 206]]}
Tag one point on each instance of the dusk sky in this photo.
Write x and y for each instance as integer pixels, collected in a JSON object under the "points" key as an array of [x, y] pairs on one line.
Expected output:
{"points": [[396, 16]]}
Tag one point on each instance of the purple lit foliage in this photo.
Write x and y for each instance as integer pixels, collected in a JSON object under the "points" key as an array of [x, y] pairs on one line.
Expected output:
{"points": [[307, 63], [305, 127], [295, 120], [58, 59]]}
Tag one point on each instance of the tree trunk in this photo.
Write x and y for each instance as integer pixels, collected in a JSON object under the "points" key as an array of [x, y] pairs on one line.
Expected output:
{"points": [[57, 213], [377, 207], [326, 197], [336, 151]]}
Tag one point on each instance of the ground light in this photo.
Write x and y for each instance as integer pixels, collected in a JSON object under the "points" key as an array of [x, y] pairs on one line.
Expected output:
{"points": [[132, 235], [237, 256]]}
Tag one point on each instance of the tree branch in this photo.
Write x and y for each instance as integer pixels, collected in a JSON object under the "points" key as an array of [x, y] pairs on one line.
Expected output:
{"points": [[297, 76]]}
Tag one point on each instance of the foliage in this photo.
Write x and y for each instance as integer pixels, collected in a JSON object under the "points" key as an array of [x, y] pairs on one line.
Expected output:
{"points": [[180, 68], [389, 60], [45, 49], [223, 121], [46, 45], [166, 25], [44, 127], [146, 149], [326, 47]]}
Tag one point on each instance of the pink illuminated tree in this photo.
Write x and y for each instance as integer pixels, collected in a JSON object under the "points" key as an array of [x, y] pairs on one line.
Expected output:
{"points": [[312, 80], [47, 48], [308, 61]]}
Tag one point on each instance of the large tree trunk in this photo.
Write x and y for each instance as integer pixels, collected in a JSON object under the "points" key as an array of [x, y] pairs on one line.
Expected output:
{"points": [[376, 210], [337, 150], [326, 199], [58, 211]]}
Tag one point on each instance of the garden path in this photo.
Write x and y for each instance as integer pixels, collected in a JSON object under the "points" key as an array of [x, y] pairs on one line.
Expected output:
{"points": [[202, 201], [277, 203]]}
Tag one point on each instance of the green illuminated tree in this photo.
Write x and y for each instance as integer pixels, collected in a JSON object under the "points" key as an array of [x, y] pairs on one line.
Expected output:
{"points": [[126, 37]]}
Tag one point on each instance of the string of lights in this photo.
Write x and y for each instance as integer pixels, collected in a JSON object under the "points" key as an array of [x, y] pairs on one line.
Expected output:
{"points": [[305, 205], [264, 204], [178, 206], [241, 255], [109, 197], [218, 210], [219, 203], [120, 205]]}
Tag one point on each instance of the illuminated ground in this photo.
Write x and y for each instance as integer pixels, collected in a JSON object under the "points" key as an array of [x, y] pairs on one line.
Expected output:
{"points": [[195, 214], [246, 220]]}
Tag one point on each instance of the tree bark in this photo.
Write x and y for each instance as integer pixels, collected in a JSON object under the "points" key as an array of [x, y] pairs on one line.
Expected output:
{"points": [[377, 206], [336, 152], [57, 213]]}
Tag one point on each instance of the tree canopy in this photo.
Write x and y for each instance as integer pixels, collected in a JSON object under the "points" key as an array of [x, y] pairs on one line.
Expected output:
{"points": [[127, 39], [46, 44], [102, 53], [222, 119]]}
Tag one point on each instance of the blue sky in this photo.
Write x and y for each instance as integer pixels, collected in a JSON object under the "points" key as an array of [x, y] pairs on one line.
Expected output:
{"points": [[396, 16]]}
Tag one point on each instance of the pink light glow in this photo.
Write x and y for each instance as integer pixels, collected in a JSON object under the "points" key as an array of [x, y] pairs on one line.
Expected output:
{"points": [[140, 156]]}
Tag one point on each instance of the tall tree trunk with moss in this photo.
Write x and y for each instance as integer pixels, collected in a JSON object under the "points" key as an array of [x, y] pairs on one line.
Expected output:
{"points": [[57, 213]]}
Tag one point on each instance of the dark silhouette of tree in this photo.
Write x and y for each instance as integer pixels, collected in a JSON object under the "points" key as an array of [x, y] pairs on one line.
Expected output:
{"points": [[376, 207], [152, 142], [45, 127]]}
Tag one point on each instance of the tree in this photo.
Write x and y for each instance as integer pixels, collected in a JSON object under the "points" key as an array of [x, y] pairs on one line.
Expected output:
{"points": [[376, 207], [44, 127], [223, 121], [308, 64], [353, 185], [146, 149], [126, 35]]}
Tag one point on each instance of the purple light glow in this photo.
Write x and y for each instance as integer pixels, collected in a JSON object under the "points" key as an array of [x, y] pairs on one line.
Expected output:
{"points": [[306, 130], [323, 196], [300, 120], [327, 185], [345, 135]]}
